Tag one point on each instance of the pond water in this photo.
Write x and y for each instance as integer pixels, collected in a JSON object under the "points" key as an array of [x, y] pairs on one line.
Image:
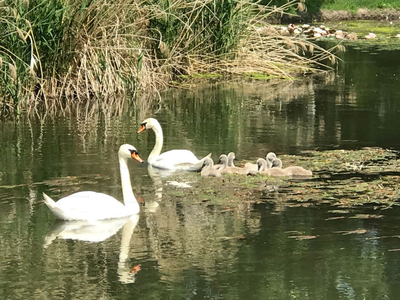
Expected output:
{"points": [[183, 248]]}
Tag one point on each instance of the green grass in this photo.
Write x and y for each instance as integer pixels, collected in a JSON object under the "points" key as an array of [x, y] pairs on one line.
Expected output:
{"points": [[314, 6], [354, 5]]}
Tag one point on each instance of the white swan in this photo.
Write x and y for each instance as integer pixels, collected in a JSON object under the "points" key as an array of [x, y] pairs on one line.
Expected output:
{"points": [[180, 159], [98, 206]]}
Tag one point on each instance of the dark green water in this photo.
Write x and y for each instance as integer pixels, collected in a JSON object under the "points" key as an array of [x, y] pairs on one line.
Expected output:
{"points": [[182, 248]]}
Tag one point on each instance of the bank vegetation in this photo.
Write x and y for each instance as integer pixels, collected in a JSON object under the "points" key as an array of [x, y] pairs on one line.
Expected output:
{"points": [[54, 53]]}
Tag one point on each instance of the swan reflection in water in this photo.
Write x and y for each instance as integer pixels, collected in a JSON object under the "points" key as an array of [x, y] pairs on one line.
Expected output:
{"points": [[158, 176], [98, 231]]}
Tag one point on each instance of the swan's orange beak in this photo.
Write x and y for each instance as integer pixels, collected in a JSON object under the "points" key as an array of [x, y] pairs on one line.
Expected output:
{"points": [[136, 157], [143, 127]]}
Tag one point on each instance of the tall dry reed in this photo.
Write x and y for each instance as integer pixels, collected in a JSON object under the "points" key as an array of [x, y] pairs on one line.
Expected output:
{"points": [[54, 53]]}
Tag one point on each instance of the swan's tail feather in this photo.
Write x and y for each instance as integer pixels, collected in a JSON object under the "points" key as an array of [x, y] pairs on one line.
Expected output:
{"points": [[202, 160], [191, 167], [49, 202], [199, 165], [53, 206]]}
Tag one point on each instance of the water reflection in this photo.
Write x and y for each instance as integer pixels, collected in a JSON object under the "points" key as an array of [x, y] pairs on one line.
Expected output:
{"points": [[197, 246], [156, 176], [160, 178], [98, 231]]}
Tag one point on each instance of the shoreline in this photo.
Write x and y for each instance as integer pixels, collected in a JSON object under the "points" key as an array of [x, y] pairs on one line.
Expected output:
{"points": [[326, 15], [361, 14]]}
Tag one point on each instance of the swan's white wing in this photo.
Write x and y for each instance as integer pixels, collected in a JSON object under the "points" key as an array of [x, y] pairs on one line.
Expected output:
{"points": [[191, 167], [91, 206], [173, 158], [179, 156]]}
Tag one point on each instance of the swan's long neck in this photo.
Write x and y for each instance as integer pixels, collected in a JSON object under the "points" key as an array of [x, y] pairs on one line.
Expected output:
{"points": [[129, 198], [230, 161], [262, 165], [208, 162], [224, 162], [159, 142]]}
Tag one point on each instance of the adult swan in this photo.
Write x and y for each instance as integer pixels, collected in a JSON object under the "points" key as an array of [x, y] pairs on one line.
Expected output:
{"points": [[183, 160], [98, 206]]}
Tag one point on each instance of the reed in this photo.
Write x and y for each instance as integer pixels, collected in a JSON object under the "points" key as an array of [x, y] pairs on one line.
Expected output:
{"points": [[54, 53]]}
